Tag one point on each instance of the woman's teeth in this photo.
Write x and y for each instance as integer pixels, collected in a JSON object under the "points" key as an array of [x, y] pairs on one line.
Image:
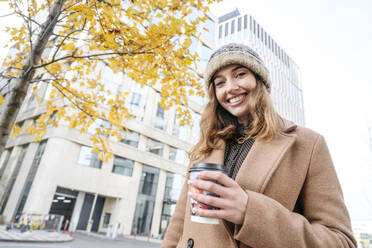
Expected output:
{"points": [[235, 99]]}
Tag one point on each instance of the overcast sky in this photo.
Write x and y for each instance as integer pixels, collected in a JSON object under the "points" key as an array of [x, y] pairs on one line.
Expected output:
{"points": [[331, 41]]}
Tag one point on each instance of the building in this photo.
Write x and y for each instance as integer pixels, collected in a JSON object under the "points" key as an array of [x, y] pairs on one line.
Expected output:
{"points": [[286, 90], [362, 231], [138, 189], [135, 192]]}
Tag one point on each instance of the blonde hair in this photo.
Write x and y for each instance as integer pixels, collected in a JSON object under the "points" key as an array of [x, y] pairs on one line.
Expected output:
{"points": [[217, 123]]}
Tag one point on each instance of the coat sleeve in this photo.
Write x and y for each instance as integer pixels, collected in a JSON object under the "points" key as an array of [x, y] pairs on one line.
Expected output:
{"points": [[175, 227], [324, 222]]}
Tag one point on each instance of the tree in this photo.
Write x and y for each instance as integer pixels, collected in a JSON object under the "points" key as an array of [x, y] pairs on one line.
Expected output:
{"points": [[66, 43]]}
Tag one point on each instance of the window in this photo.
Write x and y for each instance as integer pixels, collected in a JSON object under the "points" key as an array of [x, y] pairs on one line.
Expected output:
{"points": [[13, 177], [239, 24], [131, 138], [159, 121], [30, 177], [232, 26], [101, 125], [173, 186], [123, 166], [177, 155], [145, 200], [245, 22], [220, 32], [160, 112], [6, 160], [254, 26], [154, 146], [226, 28], [89, 158], [136, 98], [106, 220]]}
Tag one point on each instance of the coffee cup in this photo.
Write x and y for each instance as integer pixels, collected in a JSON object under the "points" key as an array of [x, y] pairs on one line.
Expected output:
{"points": [[194, 171]]}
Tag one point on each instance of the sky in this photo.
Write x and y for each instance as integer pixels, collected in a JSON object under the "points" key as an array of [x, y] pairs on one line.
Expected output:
{"points": [[331, 42]]}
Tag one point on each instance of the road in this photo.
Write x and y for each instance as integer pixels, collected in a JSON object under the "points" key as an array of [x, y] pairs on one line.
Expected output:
{"points": [[83, 241]]}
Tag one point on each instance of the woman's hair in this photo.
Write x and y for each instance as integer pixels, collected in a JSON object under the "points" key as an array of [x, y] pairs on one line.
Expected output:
{"points": [[217, 123]]}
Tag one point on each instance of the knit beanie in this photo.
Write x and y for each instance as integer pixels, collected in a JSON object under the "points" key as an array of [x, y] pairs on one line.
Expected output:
{"points": [[234, 53]]}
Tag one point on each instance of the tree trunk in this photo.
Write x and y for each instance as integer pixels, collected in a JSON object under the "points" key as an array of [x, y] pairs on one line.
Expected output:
{"points": [[20, 85]]}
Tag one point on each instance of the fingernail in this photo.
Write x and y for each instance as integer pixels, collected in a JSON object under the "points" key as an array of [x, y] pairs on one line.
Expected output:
{"points": [[195, 211], [189, 193], [189, 182]]}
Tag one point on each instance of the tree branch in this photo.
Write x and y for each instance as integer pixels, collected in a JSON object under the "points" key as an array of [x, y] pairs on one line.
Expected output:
{"points": [[56, 80], [8, 14], [66, 37], [29, 24], [91, 56]]}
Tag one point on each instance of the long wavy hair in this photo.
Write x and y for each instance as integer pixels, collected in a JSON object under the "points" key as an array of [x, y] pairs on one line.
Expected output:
{"points": [[217, 123]]}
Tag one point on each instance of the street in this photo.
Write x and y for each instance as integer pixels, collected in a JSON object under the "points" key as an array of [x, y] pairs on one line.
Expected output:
{"points": [[82, 241]]}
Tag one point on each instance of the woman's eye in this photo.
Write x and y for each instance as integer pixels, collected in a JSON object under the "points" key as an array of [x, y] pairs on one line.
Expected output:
{"points": [[218, 83], [240, 74]]}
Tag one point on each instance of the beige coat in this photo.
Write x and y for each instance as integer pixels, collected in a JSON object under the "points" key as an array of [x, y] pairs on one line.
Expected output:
{"points": [[294, 199]]}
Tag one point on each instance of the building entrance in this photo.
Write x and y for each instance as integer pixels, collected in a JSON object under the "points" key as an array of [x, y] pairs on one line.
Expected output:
{"points": [[86, 211], [63, 204]]}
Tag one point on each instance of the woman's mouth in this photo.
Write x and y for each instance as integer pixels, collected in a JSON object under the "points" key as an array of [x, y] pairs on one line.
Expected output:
{"points": [[236, 100]]}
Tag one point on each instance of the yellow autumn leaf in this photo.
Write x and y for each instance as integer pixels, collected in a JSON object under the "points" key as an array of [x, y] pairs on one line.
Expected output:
{"points": [[2, 100], [68, 47], [16, 130]]}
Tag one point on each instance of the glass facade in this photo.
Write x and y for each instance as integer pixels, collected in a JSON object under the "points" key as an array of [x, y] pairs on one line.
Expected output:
{"points": [[123, 166], [173, 187], [30, 177], [13, 177], [145, 201], [6, 160], [89, 158], [287, 92]]}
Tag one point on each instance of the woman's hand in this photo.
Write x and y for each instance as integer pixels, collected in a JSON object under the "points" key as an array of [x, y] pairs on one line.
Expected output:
{"points": [[231, 203]]}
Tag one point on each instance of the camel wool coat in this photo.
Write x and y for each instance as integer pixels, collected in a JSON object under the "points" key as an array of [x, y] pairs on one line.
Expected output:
{"points": [[294, 199]]}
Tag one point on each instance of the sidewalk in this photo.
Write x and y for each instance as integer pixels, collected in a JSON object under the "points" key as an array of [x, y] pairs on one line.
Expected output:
{"points": [[119, 237], [33, 236]]}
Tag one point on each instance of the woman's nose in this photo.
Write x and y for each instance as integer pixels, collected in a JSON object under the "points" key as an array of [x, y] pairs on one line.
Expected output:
{"points": [[231, 85]]}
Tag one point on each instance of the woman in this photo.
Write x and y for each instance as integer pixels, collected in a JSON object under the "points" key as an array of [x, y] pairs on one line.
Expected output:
{"points": [[280, 188]]}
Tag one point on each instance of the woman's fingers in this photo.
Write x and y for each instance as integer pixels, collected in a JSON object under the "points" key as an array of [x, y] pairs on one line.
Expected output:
{"points": [[217, 176], [209, 186], [210, 200]]}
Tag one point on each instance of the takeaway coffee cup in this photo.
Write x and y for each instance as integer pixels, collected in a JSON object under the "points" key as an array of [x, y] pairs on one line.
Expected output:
{"points": [[194, 171]]}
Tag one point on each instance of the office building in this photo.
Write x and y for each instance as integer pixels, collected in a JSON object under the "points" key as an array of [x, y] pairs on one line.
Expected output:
{"points": [[137, 190]]}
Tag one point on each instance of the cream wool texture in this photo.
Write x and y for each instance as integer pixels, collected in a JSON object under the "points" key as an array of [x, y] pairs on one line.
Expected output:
{"points": [[234, 53]]}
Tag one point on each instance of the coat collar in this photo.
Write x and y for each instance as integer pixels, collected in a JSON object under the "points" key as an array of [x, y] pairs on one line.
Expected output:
{"points": [[261, 161]]}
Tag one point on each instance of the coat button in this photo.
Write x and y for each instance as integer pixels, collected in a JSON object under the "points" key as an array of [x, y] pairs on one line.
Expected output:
{"points": [[190, 243]]}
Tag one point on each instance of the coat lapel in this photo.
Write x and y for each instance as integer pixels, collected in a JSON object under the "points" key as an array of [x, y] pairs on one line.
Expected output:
{"points": [[263, 159]]}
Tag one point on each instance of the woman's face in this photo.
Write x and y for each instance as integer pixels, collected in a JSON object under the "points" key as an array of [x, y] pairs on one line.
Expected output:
{"points": [[232, 84]]}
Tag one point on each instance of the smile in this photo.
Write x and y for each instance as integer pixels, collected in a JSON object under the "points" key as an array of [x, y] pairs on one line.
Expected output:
{"points": [[236, 99]]}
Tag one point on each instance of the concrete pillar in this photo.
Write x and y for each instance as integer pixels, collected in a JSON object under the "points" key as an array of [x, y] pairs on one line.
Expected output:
{"points": [[89, 226], [155, 226], [76, 212]]}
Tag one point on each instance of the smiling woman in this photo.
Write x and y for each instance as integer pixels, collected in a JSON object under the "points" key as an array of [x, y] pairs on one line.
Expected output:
{"points": [[279, 189]]}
